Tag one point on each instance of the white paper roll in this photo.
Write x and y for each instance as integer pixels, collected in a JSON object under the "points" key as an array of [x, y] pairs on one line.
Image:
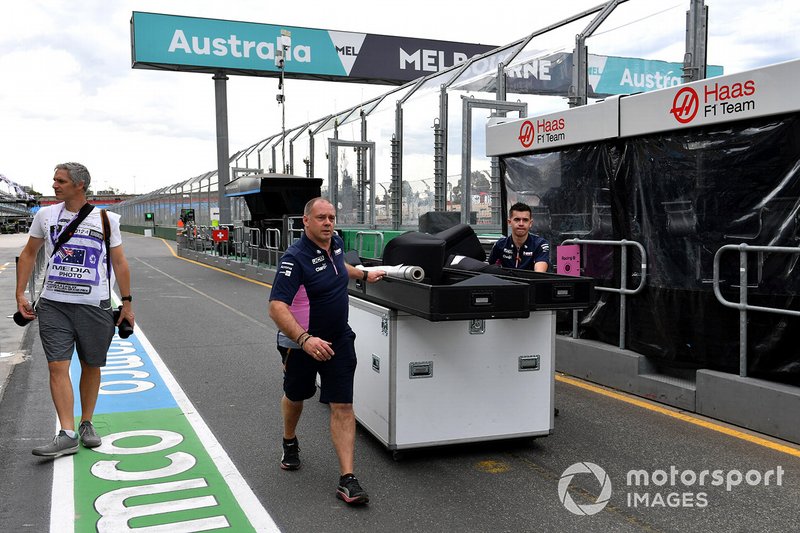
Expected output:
{"points": [[411, 273]]}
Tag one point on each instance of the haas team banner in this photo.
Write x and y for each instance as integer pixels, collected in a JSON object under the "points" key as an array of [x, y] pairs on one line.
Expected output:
{"points": [[173, 42]]}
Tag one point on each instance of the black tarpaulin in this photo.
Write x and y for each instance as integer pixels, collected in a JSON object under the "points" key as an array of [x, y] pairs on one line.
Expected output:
{"points": [[682, 195]]}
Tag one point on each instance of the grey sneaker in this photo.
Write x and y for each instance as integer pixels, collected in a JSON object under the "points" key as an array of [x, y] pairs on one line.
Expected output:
{"points": [[89, 436], [62, 444]]}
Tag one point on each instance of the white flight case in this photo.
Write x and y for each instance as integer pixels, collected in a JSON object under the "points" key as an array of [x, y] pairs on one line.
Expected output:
{"points": [[420, 383]]}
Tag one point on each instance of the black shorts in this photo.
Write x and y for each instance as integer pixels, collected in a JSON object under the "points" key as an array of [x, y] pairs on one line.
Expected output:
{"points": [[336, 374], [284, 351]]}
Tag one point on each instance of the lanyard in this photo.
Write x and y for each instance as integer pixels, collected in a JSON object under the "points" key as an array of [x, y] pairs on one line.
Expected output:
{"points": [[54, 239], [517, 255]]}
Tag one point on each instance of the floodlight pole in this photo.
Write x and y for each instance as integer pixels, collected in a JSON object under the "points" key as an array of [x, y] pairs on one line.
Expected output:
{"points": [[285, 42]]}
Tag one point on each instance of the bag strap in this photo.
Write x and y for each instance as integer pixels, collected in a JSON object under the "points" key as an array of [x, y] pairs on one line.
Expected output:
{"points": [[69, 231], [107, 240]]}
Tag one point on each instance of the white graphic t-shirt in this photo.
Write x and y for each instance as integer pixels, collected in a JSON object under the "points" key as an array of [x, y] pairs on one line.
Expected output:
{"points": [[77, 272]]}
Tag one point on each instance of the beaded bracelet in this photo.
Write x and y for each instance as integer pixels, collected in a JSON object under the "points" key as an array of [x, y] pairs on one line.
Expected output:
{"points": [[302, 338]]}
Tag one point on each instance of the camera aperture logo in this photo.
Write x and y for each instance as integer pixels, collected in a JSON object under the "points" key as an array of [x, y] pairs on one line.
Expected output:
{"points": [[669, 487], [566, 498]]}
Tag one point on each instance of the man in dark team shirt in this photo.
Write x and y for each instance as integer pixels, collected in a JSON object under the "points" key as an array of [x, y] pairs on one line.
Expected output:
{"points": [[521, 249], [309, 305]]}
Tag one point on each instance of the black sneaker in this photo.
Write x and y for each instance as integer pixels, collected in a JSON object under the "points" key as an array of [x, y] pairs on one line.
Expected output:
{"points": [[291, 454], [350, 491]]}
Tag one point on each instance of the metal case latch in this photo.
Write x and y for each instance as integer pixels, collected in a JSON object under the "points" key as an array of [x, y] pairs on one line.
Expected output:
{"points": [[477, 326], [528, 362], [420, 369]]}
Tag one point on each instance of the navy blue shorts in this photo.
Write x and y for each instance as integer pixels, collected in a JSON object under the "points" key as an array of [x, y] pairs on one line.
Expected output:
{"points": [[336, 374]]}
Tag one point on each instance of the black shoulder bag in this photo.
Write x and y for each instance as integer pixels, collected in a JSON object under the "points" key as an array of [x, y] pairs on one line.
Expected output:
{"points": [[125, 329]]}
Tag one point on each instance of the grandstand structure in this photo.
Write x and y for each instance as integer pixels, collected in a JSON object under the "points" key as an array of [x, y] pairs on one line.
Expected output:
{"points": [[16, 206]]}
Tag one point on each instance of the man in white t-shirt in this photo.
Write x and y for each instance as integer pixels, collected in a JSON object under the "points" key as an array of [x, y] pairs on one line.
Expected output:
{"points": [[74, 309]]}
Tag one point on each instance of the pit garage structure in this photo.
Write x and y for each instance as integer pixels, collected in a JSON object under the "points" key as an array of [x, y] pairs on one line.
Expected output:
{"points": [[426, 139]]}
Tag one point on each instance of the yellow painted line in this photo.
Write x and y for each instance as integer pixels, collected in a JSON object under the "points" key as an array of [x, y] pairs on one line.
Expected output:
{"points": [[175, 254], [681, 416]]}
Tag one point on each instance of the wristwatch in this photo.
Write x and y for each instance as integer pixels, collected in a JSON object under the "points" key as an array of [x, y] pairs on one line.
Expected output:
{"points": [[128, 298]]}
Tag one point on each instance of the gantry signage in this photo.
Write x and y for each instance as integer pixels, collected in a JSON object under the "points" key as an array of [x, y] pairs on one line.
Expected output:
{"points": [[171, 42], [551, 74]]}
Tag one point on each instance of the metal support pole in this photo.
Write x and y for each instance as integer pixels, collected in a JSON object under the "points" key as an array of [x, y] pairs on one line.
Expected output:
{"points": [[364, 180], [574, 323], [501, 82], [360, 185], [310, 163], [694, 60], [393, 189], [466, 161], [440, 180], [223, 157], [742, 311], [397, 169], [497, 209], [623, 283], [579, 91], [333, 173]]}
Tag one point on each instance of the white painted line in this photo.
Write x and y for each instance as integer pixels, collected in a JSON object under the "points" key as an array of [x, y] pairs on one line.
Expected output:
{"points": [[259, 518], [62, 506]]}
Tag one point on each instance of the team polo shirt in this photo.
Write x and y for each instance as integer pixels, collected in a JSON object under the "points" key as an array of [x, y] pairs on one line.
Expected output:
{"points": [[323, 275], [506, 254]]}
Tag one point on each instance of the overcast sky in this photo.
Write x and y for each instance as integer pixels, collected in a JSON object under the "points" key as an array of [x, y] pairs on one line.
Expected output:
{"points": [[68, 92]]}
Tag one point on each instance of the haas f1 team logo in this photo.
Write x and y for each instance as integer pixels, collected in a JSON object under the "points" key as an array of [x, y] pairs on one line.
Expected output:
{"points": [[685, 105], [526, 133]]}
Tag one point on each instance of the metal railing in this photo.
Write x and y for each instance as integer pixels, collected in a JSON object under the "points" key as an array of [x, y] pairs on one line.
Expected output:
{"points": [[272, 245], [742, 304], [623, 289], [252, 242], [377, 242], [294, 233], [244, 244]]}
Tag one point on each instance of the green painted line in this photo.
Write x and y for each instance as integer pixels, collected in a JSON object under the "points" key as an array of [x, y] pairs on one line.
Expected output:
{"points": [[191, 462], [158, 467]]}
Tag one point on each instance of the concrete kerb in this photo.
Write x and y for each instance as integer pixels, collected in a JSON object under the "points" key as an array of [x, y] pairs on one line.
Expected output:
{"points": [[15, 342], [8, 360], [763, 406]]}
